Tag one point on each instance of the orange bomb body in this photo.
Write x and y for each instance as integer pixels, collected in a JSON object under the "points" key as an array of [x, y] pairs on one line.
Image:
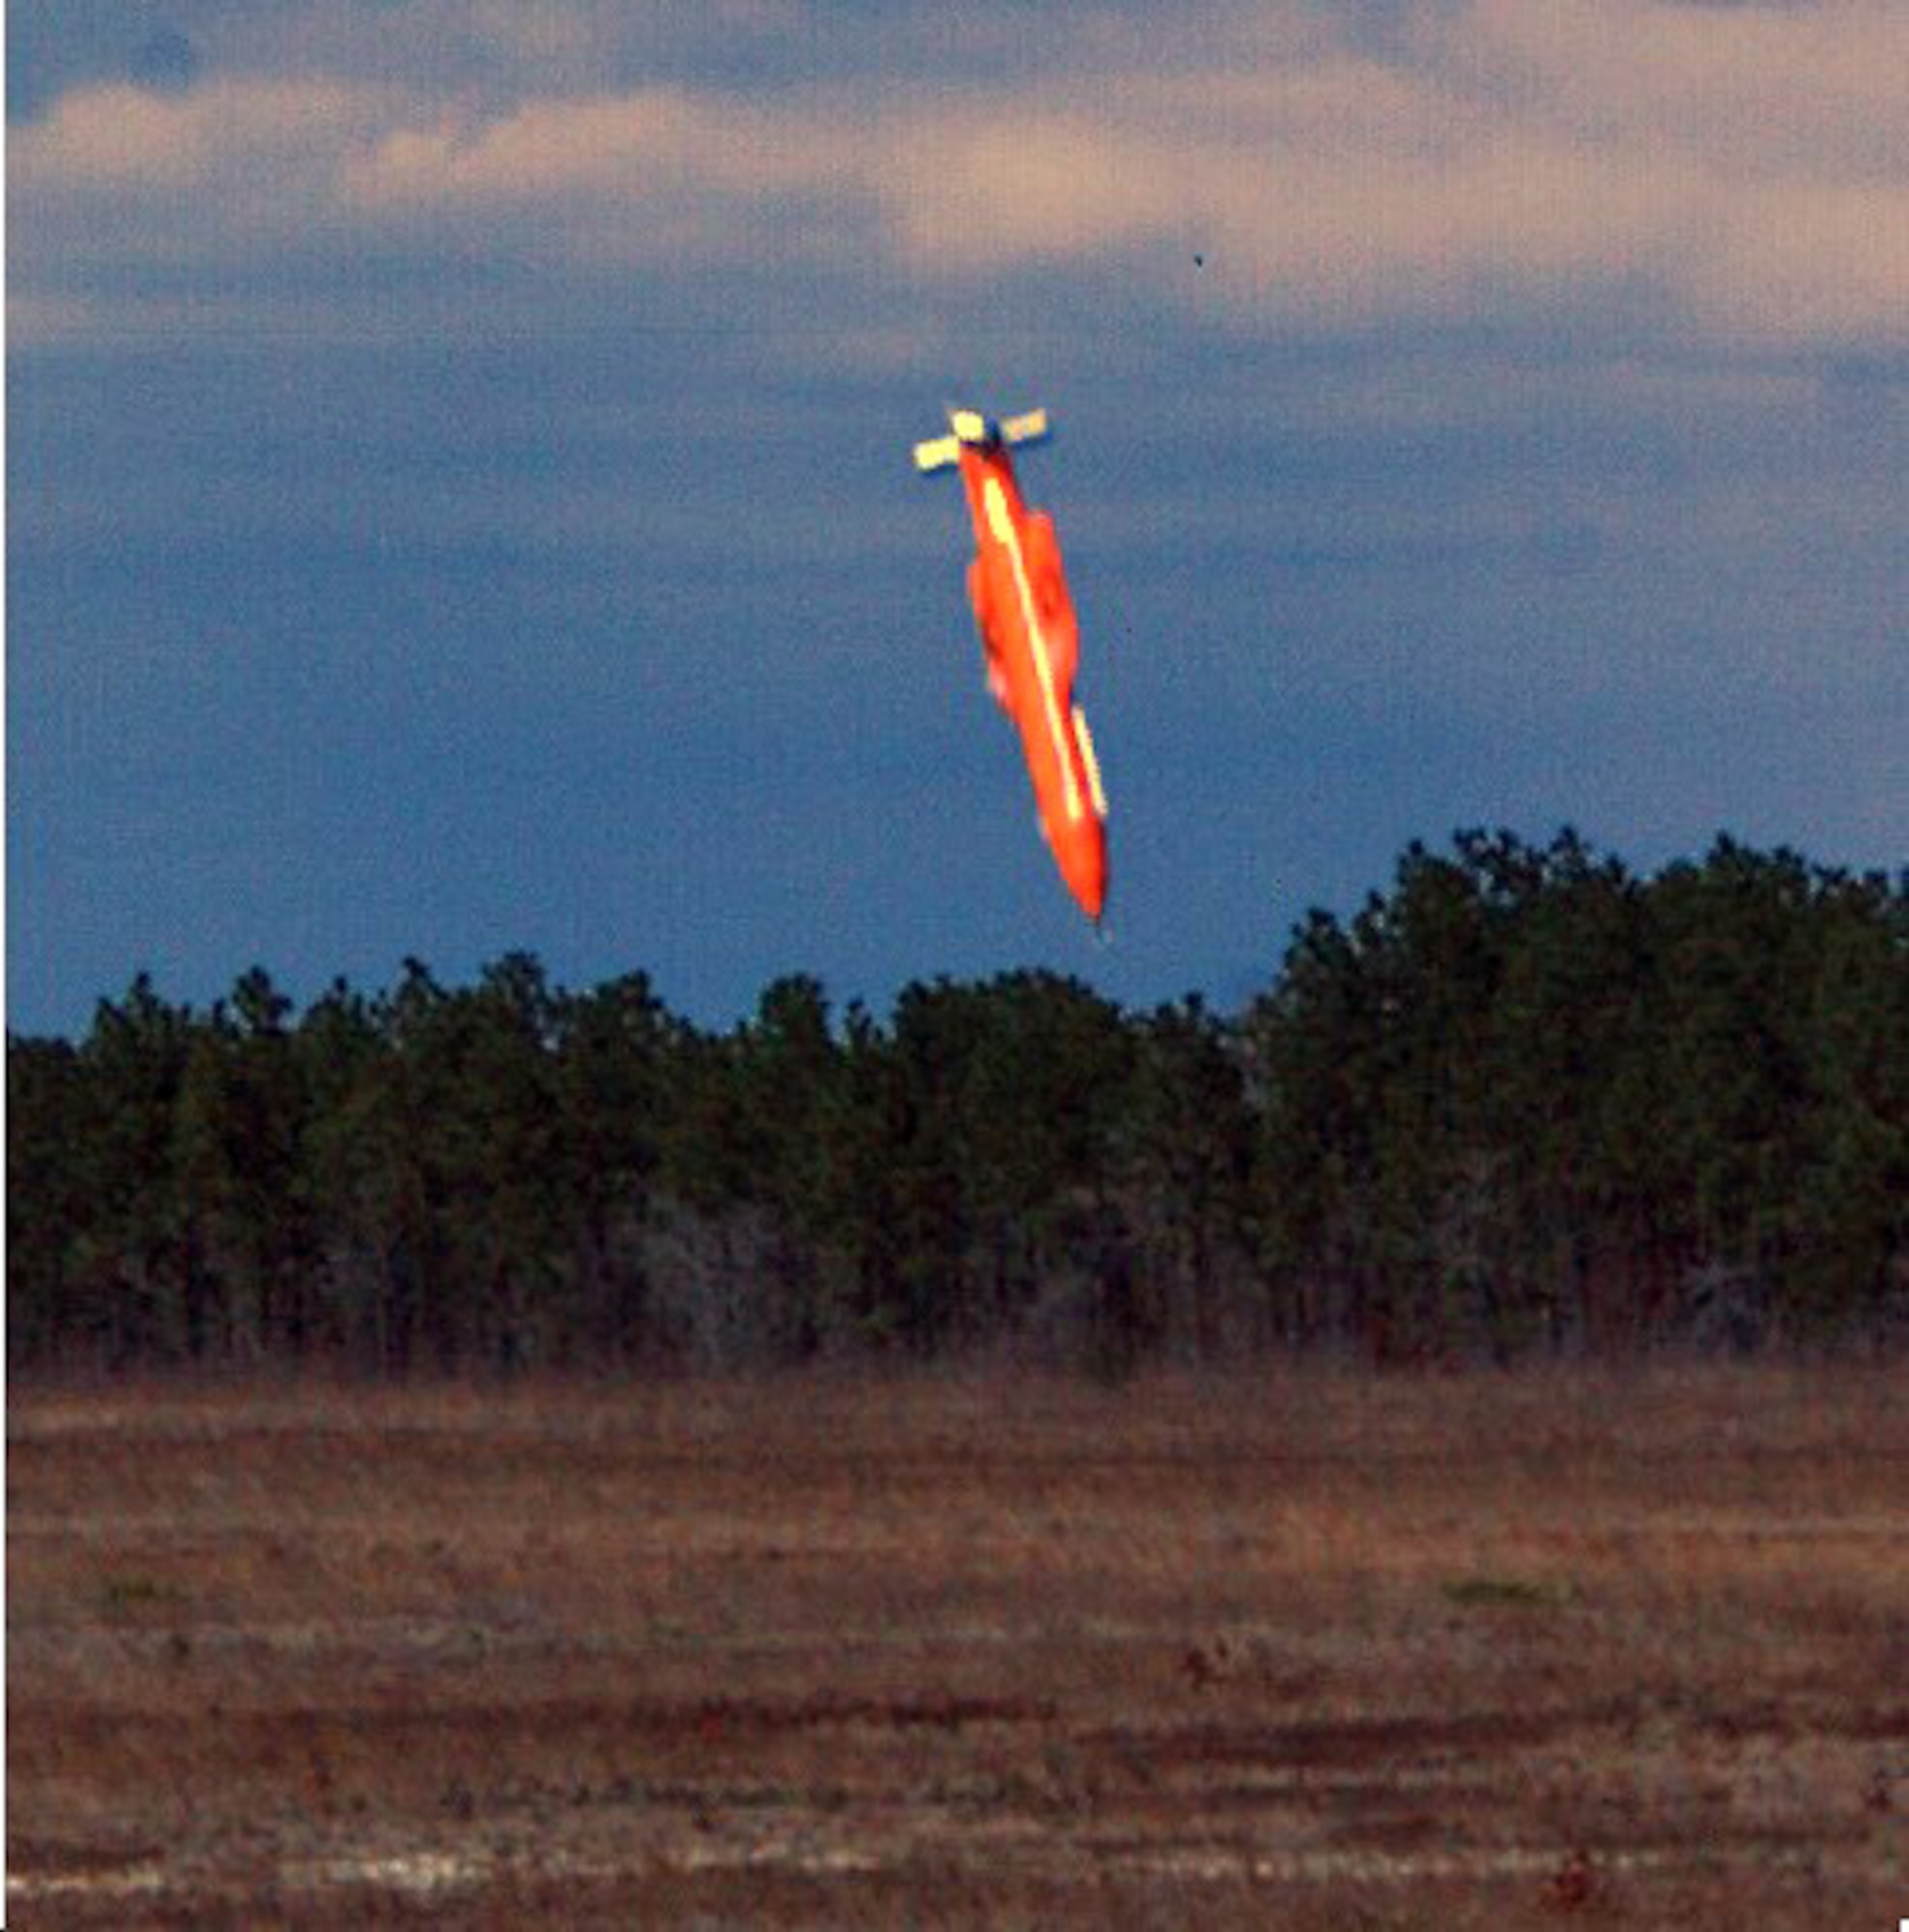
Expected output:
{"points": [[1030, 641]]}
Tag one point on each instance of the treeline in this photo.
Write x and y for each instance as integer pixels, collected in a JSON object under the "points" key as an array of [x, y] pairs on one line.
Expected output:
{"points": [[1523, 1101]]}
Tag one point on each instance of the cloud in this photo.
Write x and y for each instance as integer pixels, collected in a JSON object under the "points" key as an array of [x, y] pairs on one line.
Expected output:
{"points": [[127, 143], [653, 145], [1732, 175], [1750, 88]]}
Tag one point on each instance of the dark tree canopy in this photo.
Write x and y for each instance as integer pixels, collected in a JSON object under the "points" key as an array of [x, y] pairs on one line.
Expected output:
{"points": [[1522, 1101]]}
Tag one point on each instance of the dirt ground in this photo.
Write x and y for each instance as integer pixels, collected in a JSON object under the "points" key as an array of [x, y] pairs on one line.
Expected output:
{"points": [[1301, 1649]]}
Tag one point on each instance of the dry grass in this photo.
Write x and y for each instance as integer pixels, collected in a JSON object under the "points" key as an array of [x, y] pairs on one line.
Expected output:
{"points": [[1300, 1649]]}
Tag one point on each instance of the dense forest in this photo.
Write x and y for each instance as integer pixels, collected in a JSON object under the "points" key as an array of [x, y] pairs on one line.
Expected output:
{"points": [[1523, 1102]]}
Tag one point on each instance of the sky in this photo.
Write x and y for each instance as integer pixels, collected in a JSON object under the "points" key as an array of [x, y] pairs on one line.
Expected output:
{"points": [[458, 493]]}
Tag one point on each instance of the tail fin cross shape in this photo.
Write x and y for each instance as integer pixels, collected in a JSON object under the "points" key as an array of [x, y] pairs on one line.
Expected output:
{"points": [[969, 428]]}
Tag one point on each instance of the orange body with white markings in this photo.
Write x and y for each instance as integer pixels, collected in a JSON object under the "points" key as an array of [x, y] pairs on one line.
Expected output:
{"points": [[1031, 642]]}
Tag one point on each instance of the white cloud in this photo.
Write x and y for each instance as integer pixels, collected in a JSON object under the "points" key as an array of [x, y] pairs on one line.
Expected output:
{"points": [[643, 145], [123, 141], [1734, 174], [1753, 88]]}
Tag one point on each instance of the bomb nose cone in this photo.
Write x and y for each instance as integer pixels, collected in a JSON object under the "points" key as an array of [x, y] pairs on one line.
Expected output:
{"points": [[1083, 861]]}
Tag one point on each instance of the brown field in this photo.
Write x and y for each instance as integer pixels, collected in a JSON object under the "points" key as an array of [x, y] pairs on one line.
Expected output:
{"points": [[1296, 1649]]}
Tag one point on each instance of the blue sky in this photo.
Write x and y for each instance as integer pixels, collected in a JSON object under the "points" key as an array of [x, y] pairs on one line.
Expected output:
{"points": [[459, 497]]}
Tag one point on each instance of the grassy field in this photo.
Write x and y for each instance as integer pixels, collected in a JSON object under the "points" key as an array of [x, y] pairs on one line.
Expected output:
{"points": [[1294, 1649]]}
